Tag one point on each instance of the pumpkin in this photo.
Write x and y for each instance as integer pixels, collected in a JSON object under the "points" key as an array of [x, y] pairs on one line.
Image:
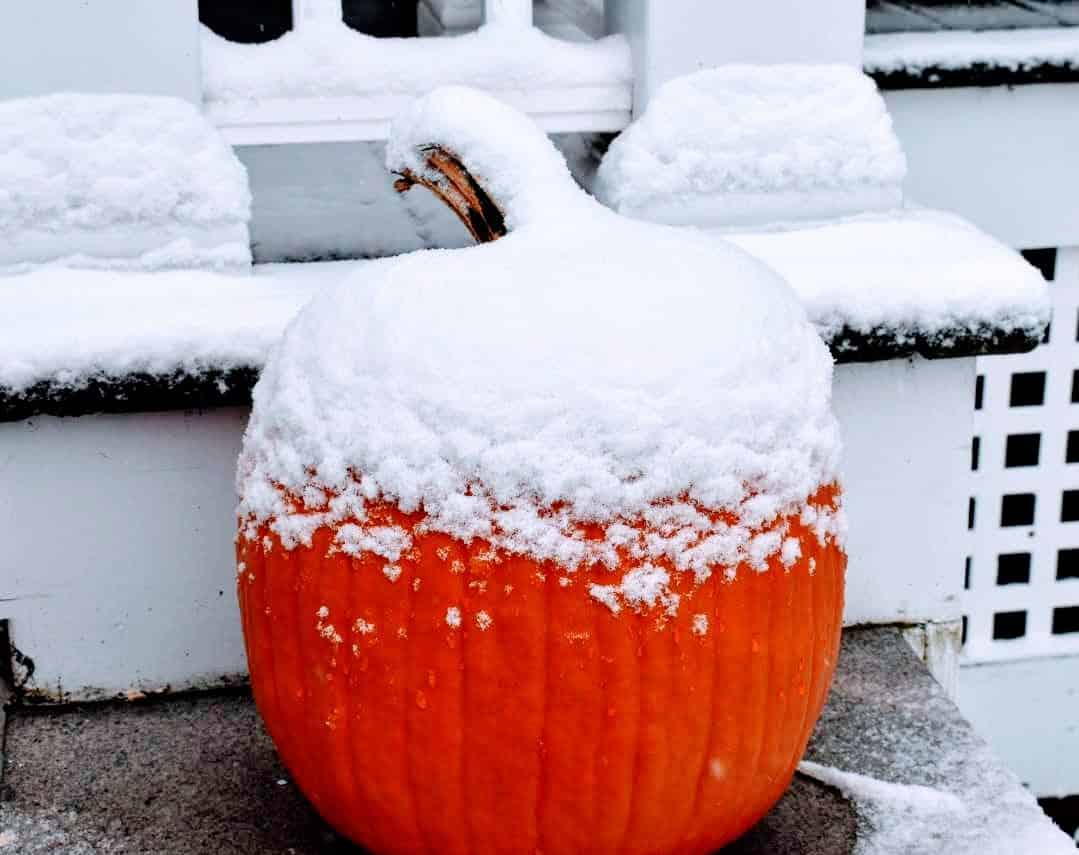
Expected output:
{"points": [[437, 689]]}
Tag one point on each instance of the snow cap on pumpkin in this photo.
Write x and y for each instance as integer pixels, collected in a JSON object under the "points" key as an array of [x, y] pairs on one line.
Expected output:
{"points": [[584, 369]]}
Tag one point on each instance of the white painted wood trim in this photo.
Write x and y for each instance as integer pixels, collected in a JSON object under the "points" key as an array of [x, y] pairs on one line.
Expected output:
{"points": [[308, 12], [515, 12], [273, 121], [938, 646]]}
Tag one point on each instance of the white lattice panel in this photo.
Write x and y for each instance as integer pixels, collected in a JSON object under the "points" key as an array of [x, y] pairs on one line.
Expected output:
{"points": [[1022, 577]]}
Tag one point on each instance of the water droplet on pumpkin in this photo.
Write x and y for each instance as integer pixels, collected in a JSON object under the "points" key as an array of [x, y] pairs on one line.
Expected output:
{"points": [[421, 700], [432, 680]]}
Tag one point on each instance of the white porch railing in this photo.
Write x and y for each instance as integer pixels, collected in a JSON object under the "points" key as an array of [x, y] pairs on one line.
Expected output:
{"points": [[567, 87]]}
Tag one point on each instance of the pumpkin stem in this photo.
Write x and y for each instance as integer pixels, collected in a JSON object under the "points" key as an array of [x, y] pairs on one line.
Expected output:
{"points": [[448, 178]]}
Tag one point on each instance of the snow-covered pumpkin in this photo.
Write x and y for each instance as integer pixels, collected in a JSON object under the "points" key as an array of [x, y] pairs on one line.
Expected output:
{"points": [[540, 541]]}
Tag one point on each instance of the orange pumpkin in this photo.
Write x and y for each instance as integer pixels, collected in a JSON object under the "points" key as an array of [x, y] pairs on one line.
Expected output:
{"points": [[534, 719], [467, 699]]}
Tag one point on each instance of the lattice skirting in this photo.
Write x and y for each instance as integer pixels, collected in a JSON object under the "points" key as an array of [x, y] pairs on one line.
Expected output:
{"points": [[1021, 591]]}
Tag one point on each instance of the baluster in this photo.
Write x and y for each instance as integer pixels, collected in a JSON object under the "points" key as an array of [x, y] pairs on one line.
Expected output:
{"points": [[307, 12], [517, 12]]}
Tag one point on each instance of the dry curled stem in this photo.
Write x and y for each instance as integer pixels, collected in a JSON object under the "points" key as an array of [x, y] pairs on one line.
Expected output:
{"points": [[460, 191]]}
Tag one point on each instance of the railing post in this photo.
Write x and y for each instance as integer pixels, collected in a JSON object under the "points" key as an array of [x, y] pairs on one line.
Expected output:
{"points": [[517, 12], [307, 12], [674, 37]]}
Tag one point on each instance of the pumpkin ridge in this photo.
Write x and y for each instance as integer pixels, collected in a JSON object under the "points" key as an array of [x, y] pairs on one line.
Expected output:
{"points": [[688, 826], [635, 786], [779, 736], [352, 577], [808, 720], [597, 744], [464, 705], [543, 783], [407, 669]]}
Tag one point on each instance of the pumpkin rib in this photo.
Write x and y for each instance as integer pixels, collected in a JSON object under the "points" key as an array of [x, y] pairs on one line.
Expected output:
{"points": [[638, 702], [310, 659], [601, 712], [595, 628], [760, 691], [714, 616], [541, 789], [789, 638], [806, 672], [294, 678], [808, 598], [702, 766], [406, 670]]}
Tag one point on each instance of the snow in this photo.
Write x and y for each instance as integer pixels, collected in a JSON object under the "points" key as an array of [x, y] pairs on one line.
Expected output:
{"points": [[325, 57], [641, 588], [118, 181], [517, 391], [916, 272], [1016, 50], [743, 144], [66, 326], [1000, 819], [907, 273]]}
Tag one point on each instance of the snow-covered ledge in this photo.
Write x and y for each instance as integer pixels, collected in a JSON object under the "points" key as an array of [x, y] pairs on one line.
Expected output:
{"points": [[149, 497]]}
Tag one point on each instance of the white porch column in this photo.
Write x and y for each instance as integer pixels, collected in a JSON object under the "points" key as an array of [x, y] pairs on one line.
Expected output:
{"points": [[101, 46], [508, 12], [674, 37]]}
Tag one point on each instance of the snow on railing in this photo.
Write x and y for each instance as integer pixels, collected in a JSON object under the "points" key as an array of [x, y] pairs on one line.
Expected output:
{"points": [[325, 81]]}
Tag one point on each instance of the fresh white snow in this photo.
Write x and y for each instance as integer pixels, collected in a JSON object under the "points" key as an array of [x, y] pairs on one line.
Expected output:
{"points": [[997, 818], [566, 374], [905, 273], [744, 144], [915, 272], [325, 57], [1016, 50], [66, 326], [118, 181]]}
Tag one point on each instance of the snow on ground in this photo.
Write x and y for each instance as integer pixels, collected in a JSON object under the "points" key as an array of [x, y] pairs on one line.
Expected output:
{"points": [[997, 818], [1015, 50], [749, 143], [517, 390], [325, 57], [134, 181]]}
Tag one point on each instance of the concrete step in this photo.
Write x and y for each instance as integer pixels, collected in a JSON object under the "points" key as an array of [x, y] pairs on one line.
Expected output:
{"points": [[197, 774]]}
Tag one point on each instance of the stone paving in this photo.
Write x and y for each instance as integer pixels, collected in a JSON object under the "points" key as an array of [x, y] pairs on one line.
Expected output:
{"points": [[198, 774]]}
